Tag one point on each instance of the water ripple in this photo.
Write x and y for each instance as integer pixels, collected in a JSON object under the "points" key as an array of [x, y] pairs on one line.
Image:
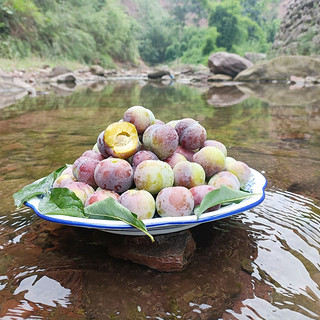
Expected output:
{"points": [[286, 230]]}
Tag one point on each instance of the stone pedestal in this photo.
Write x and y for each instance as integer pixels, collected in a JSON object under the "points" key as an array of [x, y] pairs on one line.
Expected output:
{"points": [[169, 252]]}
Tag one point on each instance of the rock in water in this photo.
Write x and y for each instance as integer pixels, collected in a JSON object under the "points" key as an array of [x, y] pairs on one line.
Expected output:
{"points": [[228, 63], [169, 252], [159, 74], [282, 69], [97, 70]]}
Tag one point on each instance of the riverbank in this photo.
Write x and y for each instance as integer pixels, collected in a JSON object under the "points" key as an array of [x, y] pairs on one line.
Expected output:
{"points": [[294, 79]]}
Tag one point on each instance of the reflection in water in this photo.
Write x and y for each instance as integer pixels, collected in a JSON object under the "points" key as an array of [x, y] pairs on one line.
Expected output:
{"points": [[279, 94], [44, 290], [261, 264], [225, 96]]}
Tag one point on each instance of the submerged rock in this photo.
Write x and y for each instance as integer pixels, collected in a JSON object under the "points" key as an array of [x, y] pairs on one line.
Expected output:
{"points": [[169, 252]]}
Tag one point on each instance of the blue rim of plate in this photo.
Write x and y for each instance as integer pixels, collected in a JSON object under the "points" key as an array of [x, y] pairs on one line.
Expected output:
{"points": [[257, 184]]}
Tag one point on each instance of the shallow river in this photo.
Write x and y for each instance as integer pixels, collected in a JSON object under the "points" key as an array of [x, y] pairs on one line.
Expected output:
{"points": [[260, 264]]}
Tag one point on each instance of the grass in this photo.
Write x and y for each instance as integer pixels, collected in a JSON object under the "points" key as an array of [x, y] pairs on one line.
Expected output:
{"points": [[33, 63]]}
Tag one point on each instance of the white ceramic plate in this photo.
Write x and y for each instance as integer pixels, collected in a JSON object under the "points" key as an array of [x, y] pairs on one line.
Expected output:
{"points": [[257, 184]]}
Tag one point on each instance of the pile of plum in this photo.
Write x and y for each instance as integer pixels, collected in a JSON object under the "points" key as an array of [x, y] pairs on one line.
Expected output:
{"points": [[149, 166]]}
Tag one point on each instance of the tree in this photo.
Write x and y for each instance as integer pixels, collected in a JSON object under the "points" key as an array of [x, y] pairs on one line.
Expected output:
{"points": [[224, 17]]}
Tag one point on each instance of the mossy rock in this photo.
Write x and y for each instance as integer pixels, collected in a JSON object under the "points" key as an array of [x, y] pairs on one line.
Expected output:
{"points": [[281, 69]]}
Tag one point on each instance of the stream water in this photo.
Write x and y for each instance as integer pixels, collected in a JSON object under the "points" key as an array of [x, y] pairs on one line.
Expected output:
{"points": [[260, 264]]}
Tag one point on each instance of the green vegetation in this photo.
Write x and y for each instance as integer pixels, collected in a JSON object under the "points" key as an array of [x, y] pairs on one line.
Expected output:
{"points": [[94, 31], [102, 32]]}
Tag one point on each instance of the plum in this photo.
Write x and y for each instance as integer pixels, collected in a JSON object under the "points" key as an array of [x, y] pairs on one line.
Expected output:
{"points": [[191, 133], [188, 154], [224, 178], [174, 202], [65, 177], [217, 144], [114, 174], [172, 123], [83, 168], [229, 159], [188, 174], [158, 121], [241, 170], [174, 159], [140, 202], [199, 192], [140, 117], [142, 155], [101, 194], [121, 140], [182, 124], [193, 136], [101, 145], [161, 139], [93, 154], [211, 159], [81, 190], [153, 175]]}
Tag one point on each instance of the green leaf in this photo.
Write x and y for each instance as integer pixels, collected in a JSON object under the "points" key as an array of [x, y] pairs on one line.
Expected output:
{"points": [[221, 196], [38, 187], [111, 209], [62, 201]]}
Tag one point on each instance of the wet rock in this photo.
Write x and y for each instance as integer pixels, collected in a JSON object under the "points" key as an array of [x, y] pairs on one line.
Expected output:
{"points": [[158, 74], [112, 72], [64, 78], [281, 69], [228, 63], [225, 96], [169, 252], [59, 70], [97, 70], [297, 80]]}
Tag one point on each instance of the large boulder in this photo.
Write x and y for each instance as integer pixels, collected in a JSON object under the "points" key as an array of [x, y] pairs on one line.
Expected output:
{"points": [[281, 69], [228, 63]]}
